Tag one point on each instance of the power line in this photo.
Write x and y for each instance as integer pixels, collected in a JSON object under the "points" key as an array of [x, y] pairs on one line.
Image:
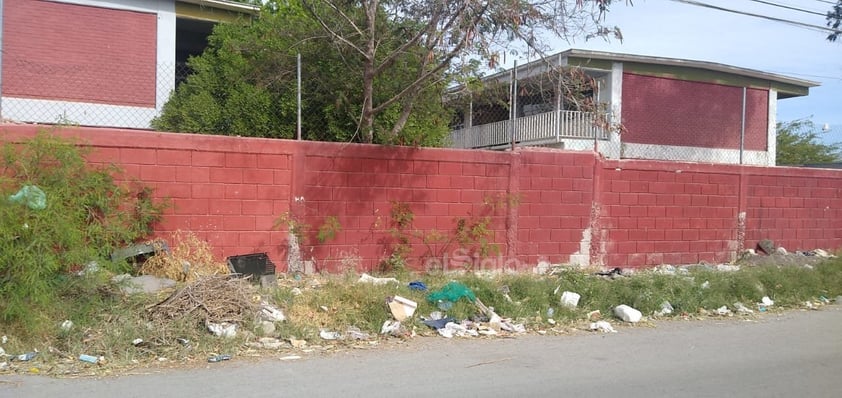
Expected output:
{"points": [[789, 7], [827, 2], [782, 20]]}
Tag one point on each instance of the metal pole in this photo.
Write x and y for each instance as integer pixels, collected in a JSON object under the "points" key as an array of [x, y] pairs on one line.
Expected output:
{"points": [[513, 106], [298, 123], [743, 127]]}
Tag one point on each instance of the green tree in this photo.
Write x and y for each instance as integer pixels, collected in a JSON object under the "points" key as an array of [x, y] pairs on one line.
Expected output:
{"points": [[245, 84], [798, 143], [834, 21]]}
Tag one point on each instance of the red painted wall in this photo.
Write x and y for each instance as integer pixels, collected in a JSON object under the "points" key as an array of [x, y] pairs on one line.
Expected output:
{"points": [[59, 51], [663, 111], [551, 204]]}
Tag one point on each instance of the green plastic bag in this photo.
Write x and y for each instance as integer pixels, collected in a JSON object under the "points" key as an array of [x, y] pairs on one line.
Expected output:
{"points": [[32, 196], [452, 292]]}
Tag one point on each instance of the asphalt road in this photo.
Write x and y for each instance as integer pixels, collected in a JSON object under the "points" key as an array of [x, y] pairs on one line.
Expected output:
{"points": [[795, 354]]}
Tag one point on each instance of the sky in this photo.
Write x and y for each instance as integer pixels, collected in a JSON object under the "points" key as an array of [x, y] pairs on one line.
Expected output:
{"points": [[676, 30]]}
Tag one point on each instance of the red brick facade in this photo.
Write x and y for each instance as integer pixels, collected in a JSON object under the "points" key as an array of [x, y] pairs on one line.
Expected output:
{"points": [[58, 51], [634, 213], [663, 111]]}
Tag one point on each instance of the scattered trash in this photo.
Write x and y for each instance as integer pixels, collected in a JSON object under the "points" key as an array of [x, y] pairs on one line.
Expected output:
{"points": [[4, 339], [183, 341], [444, 305], [295, 291], [271, 313], [31, 196], [223, 329], [255, 266], [551, 321], [270, 343], [665, 269], [767, 301], [66, 325], [418, 285], [391, 327], [290, 358], [542, 268], [570, 299], [809, 305], [366, 278], [137, 342], [824, 300], [324, 308], [749, 252], [603, 327], [594, 315], [88, 358], [438, 323], [727, 267], [723, 311], [550, 312], [4, 365], [296, 343], [666, 309], [781, 251], [742, 309], [452, 291], [822, 253], [328, 335], [627, 314], [218, 358], [402, 308], [612, 273], [355, 333], [505, 290], [706, 285], [454, 329], [26, 357], [508, 326]]}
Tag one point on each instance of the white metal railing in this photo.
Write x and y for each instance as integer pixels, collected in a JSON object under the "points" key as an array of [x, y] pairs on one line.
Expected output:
{"points": [[541, 128]]}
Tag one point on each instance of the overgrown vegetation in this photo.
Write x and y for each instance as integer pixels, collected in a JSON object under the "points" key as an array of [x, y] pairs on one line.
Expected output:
{"points": [[798, 143], [87, 214]]}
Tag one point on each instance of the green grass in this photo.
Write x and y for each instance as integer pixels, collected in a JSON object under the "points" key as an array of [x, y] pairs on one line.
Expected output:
{"points": [[105, 322]]}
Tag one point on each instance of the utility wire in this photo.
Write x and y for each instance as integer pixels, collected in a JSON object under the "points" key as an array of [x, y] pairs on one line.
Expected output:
{"points": [[827, 2], [782, 20], [789, 7]]}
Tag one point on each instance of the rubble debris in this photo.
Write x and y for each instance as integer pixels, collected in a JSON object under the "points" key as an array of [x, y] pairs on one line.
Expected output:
{"points": [[603, 327], [139, 253], [766, 301], [142, 284], [594, 315], [354, 333], [270, 343], [31, 196], [822, 253], [26, 357], [542, 268], [781, 251], [767, 246], [627, 314], [570, 299], [66, 325], [366, 278], [455, 329], [296, 343], [266, 328]]}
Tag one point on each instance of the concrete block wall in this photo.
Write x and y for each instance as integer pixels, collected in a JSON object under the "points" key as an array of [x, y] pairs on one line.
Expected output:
{"points": [[559, 206]]}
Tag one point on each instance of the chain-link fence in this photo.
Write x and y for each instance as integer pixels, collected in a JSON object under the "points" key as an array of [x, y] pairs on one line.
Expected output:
{"points": [[99, 95], [532, 111]]}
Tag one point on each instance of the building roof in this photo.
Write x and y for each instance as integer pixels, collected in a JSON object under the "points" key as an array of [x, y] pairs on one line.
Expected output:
{"points": [[711, 66], [225, 5], [669, 67]]}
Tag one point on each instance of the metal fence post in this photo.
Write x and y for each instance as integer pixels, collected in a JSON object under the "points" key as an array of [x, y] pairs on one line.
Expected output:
{"points": [[298, 121], [743, 127], [513, 106]]}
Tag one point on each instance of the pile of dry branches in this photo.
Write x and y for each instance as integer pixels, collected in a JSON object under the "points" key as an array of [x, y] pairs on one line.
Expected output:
{"points": [[209, 299]]}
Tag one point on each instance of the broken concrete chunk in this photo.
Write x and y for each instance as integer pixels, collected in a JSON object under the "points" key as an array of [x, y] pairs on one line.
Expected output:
{"points": [[366, 278], [570, 299], [767, 246], [627, 314]]}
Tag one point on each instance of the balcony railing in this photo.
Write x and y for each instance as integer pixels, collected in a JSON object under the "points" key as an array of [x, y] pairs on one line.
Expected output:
{"points": [[540, 129]]}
